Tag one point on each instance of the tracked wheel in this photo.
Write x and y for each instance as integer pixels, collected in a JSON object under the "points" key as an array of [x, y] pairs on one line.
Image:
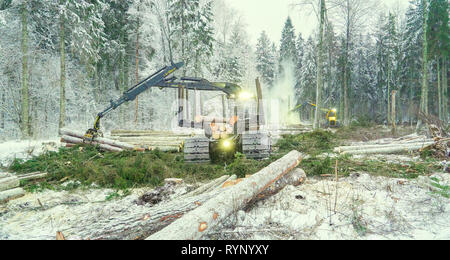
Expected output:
{"points": [[256, 145], [196, 150]]}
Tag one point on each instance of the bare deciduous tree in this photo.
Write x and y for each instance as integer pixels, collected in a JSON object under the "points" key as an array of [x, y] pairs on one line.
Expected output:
{"points": [[351, 16]]}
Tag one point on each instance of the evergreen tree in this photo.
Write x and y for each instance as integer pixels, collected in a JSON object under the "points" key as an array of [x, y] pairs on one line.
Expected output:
{"points": [[203, 38], [265, 59], [183, 15], [300, 45], [288, 49], [308, 73], [438, 40]]}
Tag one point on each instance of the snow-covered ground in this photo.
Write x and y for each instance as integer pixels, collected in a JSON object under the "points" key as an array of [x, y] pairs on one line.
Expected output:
{"points": [[360, 206], [25, 149], [366, 207]]}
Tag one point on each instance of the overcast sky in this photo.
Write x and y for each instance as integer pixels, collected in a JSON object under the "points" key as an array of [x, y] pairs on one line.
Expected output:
{"points": [[270, 15]]}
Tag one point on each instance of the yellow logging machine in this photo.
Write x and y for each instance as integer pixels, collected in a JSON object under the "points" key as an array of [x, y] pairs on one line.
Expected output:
{"points": [[331, 114]]}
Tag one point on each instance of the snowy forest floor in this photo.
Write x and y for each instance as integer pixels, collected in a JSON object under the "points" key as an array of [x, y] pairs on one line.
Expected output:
{"points": [[402, 196]]}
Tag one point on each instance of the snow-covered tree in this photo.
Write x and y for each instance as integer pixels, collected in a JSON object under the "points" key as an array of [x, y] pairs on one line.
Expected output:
{"points": [[288, 48], [265, 59]]}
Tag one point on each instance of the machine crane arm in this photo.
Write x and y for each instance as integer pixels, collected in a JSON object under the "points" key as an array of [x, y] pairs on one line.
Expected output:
{"points": [[158, 78]]}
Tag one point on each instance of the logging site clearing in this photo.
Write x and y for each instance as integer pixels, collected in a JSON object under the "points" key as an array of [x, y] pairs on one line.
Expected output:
{"points": [[357, 182]]}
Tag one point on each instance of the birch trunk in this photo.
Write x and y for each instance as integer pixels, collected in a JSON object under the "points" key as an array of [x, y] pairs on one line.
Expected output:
{"points": [[62, 86], [136, 113], [424, 92], [393, 112], [319, 66], [25, 94], [439, 90]]}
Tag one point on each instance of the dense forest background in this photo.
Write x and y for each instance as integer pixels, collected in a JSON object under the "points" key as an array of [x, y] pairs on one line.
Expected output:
{"points": [[61, 61]]}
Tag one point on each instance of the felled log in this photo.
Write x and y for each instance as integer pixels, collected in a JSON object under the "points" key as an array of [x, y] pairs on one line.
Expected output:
{"points": [[32, 176], [9, 183], [194, 224], [75, 140], [217, 182], [387, 150], [11, 194], [146, 132], [4, 175], [174, 139], [98, 140], [381, 146], [122, 222]]}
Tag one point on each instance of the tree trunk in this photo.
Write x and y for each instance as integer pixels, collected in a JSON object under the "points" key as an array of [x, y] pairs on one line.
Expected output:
{"points": [[25, 94], [62, 86], [316, 123], [439, 89], [445, 88], [393, 113], [346, 70], [137, 70], [388, 95], [424, 92]]}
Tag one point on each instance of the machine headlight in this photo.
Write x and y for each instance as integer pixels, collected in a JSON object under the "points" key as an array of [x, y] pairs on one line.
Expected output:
{"points": [[244, 95], [226, 144]]}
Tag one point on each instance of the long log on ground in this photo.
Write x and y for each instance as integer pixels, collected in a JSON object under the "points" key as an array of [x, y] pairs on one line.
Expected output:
{"points": [[295, 178], [391, 142], [341, 149], [32, 176], [387, 150], [208, 185], [4, 175], [11, 194], [146, 132], [9, 183], [75, 140], [99, 140], [150, 139], [195, 223], [122, 222]]}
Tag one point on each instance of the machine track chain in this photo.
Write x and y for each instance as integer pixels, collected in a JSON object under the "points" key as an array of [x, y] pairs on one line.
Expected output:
{"points": [[196, 150], [256, 145]]}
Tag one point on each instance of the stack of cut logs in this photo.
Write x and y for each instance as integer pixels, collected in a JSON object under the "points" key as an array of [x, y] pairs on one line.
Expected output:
{"points": [[9, 184], [407, 143], [72, 138], [165, 141]]}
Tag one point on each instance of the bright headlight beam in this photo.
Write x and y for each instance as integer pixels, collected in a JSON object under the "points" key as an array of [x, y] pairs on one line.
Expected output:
{"points": [[245, 95], [226, 144]]}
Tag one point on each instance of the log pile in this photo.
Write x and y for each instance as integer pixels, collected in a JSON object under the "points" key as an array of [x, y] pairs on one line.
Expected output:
{"points": [[194, 224], [165, 141], [9, 184], [407, 143], [72, 138]]}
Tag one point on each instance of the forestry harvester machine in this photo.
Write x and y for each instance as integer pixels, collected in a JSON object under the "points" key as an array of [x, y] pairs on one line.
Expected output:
{"points": [[331, 114], [225, 136]]}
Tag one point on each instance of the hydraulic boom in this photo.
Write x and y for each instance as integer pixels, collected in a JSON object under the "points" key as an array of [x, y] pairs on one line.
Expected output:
{"points": [[158, 78]]}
